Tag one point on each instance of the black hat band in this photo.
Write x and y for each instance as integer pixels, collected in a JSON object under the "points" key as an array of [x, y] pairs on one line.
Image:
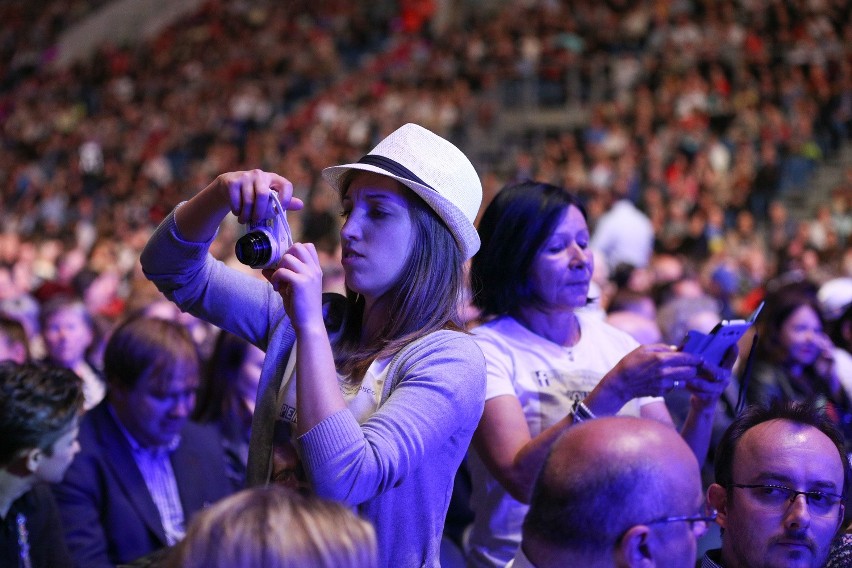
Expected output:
{"points": [[393, 167]]}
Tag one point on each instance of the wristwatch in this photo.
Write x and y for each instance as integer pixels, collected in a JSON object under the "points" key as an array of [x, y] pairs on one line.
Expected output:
{"points": [[581, 412]]}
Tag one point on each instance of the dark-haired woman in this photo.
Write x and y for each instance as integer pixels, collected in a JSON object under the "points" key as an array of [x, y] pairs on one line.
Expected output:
{"points": [[794, 360], [227, 397], [551, 362]]}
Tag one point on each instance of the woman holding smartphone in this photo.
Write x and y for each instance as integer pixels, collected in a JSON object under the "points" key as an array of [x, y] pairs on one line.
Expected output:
{"points": [[551, 362], [377, 394]]}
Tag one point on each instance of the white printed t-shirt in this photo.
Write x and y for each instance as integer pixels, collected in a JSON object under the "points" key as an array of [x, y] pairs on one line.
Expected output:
{"points": [[546, 378], [362, 400]]}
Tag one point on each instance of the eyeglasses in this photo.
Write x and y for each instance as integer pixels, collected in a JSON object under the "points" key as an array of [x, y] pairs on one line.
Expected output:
{"points": [[697, 523], [778, 497]]}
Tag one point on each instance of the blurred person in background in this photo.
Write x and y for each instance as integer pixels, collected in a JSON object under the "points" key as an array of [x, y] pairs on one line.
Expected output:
{"points": [[624, 233], [227, 396], [628, 300], [794, 357], [16, 302], [13, 341], [68, 266], [642, 329], [677, 317], [70, 337], [634, 313], [203, 333]]}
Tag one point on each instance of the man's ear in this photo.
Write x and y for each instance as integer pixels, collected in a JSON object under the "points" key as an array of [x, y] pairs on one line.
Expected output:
{"points": [[634, 548], [717, 497], [25, 462], [32, 458], [840, 516]]}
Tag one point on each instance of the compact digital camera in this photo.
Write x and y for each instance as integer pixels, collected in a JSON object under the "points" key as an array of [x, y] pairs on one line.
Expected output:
{"points": [[265, 241]]}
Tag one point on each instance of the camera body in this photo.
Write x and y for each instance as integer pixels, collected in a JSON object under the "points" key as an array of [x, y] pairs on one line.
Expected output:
{"points": [[266, 240]]}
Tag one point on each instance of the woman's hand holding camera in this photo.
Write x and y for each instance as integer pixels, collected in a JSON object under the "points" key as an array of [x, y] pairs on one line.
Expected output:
{"points": [[298, 276], [248, 193], [298, 279], [245, 194]]}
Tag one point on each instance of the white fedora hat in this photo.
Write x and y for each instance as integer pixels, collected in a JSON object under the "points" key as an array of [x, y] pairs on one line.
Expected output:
{"points": [[432, 168]]}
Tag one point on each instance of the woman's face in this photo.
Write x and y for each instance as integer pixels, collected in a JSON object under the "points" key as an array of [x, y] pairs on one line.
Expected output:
{"points": [[800, 335], [377, 235], [563, 267]]}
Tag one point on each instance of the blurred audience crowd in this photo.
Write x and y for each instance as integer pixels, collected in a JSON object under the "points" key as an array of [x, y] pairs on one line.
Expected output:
{"points": [[705, 121], [707, 117]]}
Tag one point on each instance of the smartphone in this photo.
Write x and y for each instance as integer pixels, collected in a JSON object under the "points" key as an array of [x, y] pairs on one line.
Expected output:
{"points": [[713, 346]]}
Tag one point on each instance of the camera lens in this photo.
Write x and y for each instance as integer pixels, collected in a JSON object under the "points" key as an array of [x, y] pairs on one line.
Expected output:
{"points": [[253, 249]]}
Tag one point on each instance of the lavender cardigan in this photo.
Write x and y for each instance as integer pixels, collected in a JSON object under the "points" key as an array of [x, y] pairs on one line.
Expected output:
{"points": [[397, 468]]}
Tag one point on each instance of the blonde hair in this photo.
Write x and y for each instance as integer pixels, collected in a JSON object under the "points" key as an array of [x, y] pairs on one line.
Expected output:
{"points": [[275, 527]]}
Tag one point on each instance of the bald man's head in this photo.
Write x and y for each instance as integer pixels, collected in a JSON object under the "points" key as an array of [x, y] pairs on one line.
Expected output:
{"points": [[604, 476]]}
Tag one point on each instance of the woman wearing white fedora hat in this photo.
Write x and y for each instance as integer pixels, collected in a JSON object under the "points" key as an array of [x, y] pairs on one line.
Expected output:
{"points": [[386, 386]]}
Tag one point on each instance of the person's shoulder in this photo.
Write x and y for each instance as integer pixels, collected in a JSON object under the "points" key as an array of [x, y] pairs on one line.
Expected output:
{"points": [[442, 347], [503, 328], [196, 434], [38, 498], [841, 552], [202, 443], [448, 339], [95, 424], [98, 437]]}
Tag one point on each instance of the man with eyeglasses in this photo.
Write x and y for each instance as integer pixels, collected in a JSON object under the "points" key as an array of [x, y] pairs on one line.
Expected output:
{"points": [[781, 481], [144, 469], [615, 492]]}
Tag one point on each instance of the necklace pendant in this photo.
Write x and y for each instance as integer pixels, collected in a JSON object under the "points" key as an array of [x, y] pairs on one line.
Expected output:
{"points": [[23, 540]]}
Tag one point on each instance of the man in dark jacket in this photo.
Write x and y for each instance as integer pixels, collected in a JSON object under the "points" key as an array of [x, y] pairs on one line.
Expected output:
{"points": [[144, 469], [39, 410]]}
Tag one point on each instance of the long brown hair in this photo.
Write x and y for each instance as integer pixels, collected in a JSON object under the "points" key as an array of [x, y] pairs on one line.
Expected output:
{"points": [[424, 299]]}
